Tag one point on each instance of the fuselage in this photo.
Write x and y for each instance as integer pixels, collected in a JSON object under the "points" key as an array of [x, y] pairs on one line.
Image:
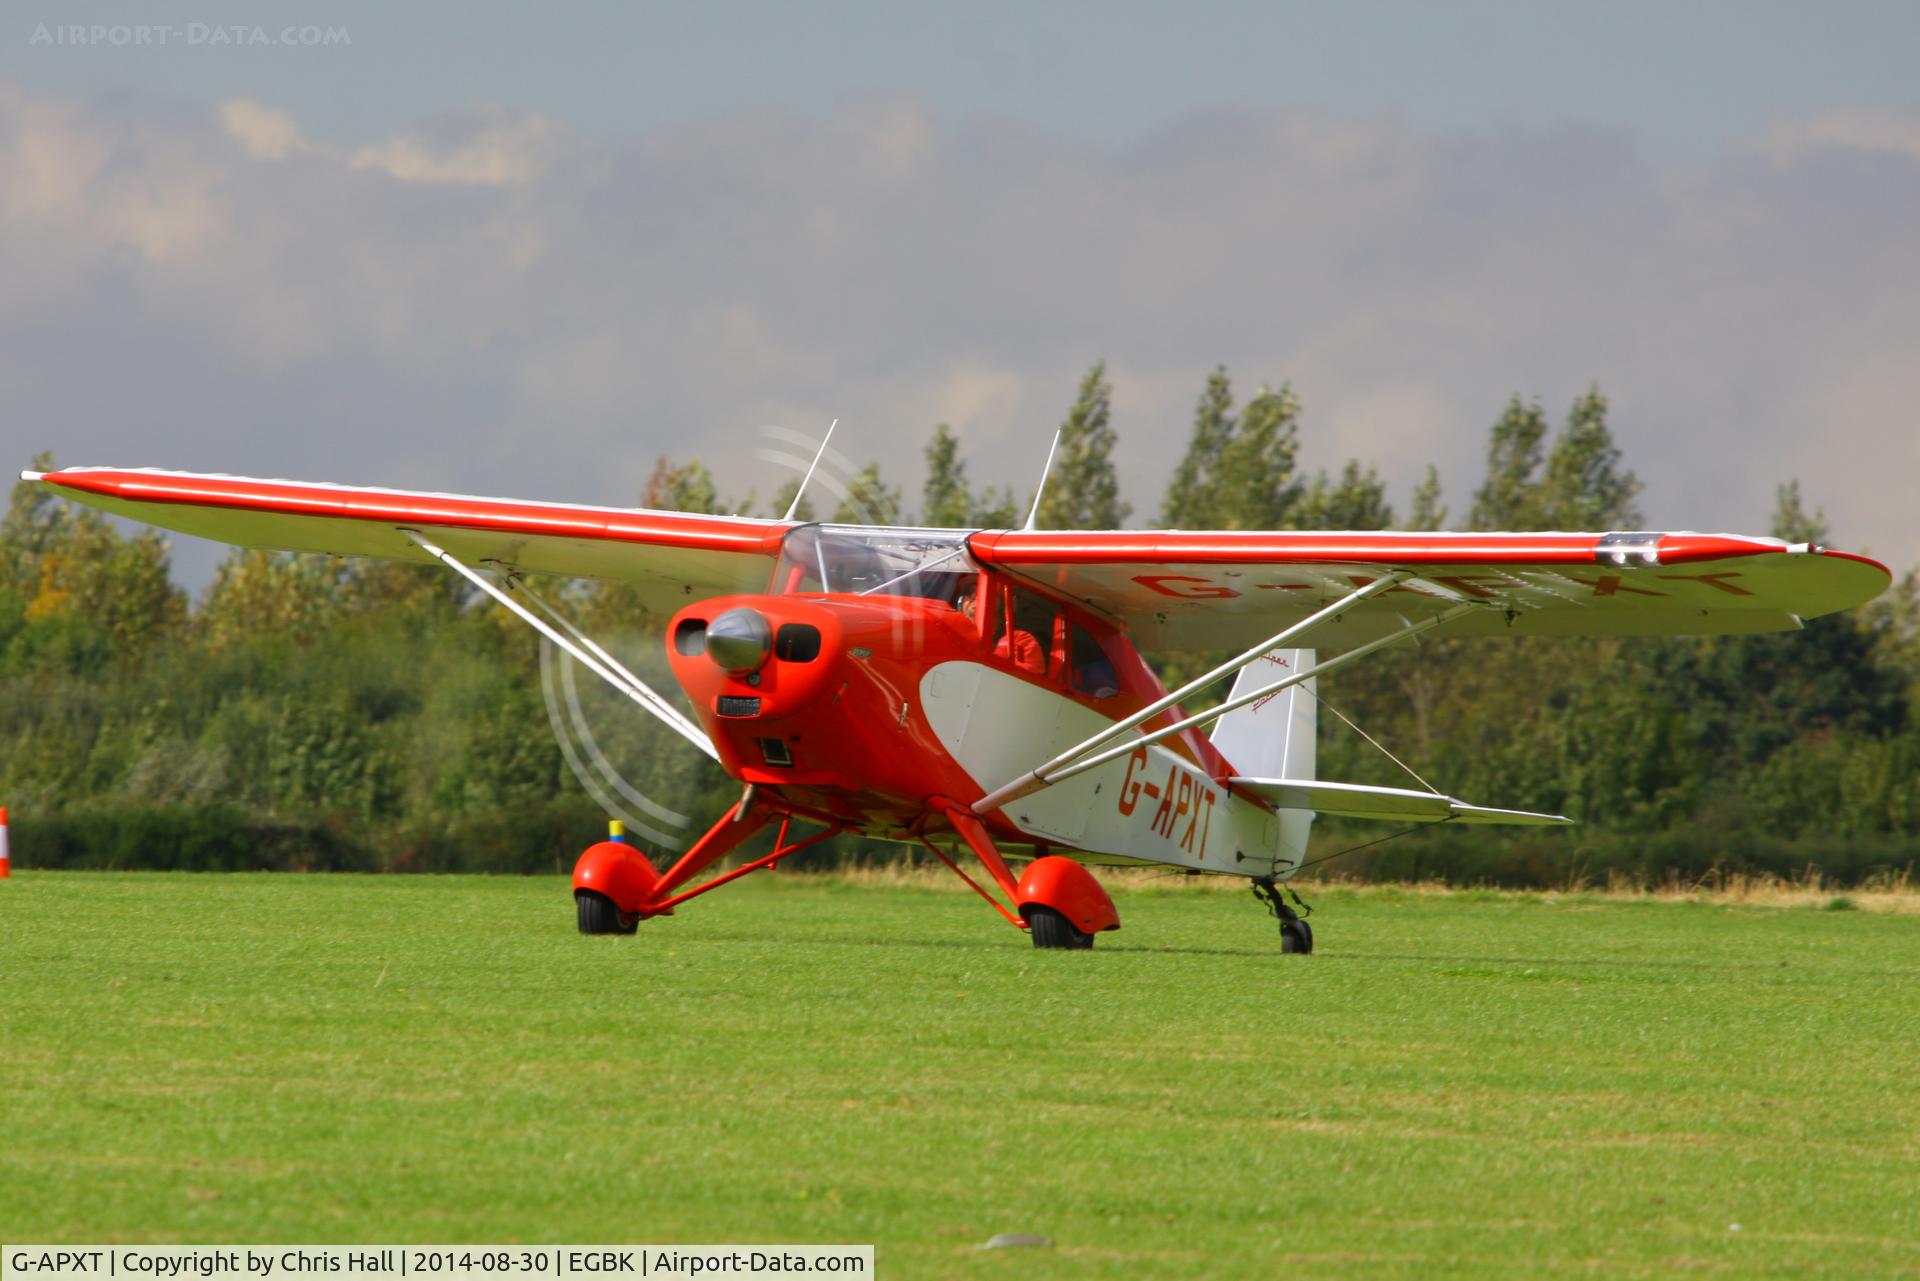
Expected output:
{"points": [[871, 707]]}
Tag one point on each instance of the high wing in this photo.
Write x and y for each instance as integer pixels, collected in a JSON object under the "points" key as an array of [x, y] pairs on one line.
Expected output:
{"points": [[1173, 589], [669, 556], [1183, 589]]}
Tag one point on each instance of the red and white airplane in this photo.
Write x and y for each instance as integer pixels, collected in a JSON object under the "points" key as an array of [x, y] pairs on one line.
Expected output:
{"points": [[984, 693]]}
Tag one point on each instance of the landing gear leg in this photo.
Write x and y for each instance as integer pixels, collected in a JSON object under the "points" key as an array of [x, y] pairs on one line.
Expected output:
{"points": [[1295, 934]]}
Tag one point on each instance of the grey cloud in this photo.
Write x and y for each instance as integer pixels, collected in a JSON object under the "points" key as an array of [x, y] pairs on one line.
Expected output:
{"points": [[490, 303]]}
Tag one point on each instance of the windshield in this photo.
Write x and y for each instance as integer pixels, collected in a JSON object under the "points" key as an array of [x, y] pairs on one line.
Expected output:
{"points": [[866, 561]]}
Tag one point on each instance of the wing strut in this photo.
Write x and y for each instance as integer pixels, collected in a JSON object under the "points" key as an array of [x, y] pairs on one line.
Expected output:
{"points": [[1079, 763], [630, 685], [1045, 774], [655, 703]]}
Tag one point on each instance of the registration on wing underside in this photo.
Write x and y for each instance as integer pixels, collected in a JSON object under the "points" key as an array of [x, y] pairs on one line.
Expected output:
{"points": [[1206, 606]]}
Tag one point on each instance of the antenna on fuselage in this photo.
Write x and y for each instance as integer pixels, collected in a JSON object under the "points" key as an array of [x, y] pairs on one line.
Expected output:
{"points": [[1044, 472], [820, 453]]}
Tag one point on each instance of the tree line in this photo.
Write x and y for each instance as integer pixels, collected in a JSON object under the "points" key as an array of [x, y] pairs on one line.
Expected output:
{"points": [[309, 712]]}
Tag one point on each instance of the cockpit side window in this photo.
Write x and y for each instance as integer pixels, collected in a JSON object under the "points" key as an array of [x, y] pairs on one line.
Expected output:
{"points": [[1029, 646], [1090, 672], [973, 593]]}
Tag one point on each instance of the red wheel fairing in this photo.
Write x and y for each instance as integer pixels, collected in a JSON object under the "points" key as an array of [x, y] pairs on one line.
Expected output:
{"points": [[617, 870], [1069, 889]]}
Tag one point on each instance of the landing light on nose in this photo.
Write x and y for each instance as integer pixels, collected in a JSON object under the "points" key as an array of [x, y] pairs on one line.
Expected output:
{"points": [[740, 639]]}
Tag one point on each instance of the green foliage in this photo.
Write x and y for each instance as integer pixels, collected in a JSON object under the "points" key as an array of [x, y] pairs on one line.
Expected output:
{"points": [[1192, 492], [384, 588], [1578, 483], [323, 758], [31, 526], [1357, 500], [1238, 471], [78, 594], [257, 593], [1509, 497], [783, 499], [1751, 695], [995, 509], [687, 487], [1255, 480], [1083, 491], [1791, 520], [945, 501], [508, 759], [869, 500], [1586, 488], [200, 838], [1428, 513]]}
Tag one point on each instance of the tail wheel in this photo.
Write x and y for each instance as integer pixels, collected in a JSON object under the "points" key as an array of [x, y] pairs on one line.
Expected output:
{"points": [[1295, 934], [600, 915], [1052, 930]]}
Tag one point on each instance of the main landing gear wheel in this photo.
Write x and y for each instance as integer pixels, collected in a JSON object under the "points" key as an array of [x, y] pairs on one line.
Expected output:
{"points": [[1050, 929], [599, 915], [1296, 936]]}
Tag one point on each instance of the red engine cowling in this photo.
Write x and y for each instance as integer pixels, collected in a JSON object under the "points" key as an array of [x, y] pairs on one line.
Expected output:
{"points": [[819, 696]]}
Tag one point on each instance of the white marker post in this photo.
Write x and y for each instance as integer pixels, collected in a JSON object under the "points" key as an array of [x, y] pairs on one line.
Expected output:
{"points": [[6, 868]]}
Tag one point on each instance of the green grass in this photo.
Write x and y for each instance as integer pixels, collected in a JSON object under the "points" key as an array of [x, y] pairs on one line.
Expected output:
{"points": [[1461, 1085]]}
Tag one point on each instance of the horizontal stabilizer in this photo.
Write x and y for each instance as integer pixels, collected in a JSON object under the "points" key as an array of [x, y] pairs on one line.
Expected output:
{"points": [[1388, 804]]}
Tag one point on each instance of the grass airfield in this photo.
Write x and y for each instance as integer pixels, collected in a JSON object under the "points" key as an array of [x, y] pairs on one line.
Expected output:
{"points": [[1456, 1085]]}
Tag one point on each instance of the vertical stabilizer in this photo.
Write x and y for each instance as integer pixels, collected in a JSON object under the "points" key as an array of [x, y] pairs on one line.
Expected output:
{"points": [[1275, 737], [1272, 737]]}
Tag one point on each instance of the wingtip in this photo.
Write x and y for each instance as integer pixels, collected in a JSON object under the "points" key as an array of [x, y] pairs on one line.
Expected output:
{"points": [[33, 475]]}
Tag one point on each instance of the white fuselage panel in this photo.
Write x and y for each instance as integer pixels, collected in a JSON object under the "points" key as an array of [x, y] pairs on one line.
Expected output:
{"points": [[1153, 804]]}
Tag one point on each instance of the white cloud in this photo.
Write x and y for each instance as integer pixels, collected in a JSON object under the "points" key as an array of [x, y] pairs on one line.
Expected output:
{"points": [[489, 302], [48, 160], [492, 153], [487, 150], [75, 190], [266, 134], [1848, 130]]}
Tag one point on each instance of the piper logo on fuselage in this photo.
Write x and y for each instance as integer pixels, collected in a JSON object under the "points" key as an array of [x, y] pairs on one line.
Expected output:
{"points": [[1181, 796]]}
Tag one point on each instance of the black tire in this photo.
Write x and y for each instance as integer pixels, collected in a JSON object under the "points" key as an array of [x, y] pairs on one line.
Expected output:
{"points": [[1296, 936], [599, 915], [1050, 929]]}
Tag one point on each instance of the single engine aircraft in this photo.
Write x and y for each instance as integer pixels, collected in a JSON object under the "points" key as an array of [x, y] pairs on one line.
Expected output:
{"points": [[983, 693]]}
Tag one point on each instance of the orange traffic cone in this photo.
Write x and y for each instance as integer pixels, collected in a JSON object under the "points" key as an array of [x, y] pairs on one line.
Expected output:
{"points": [[6, 868]]}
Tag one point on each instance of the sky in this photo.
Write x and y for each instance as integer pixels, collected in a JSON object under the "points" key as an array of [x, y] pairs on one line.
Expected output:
{"points": [[488, 249]]}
